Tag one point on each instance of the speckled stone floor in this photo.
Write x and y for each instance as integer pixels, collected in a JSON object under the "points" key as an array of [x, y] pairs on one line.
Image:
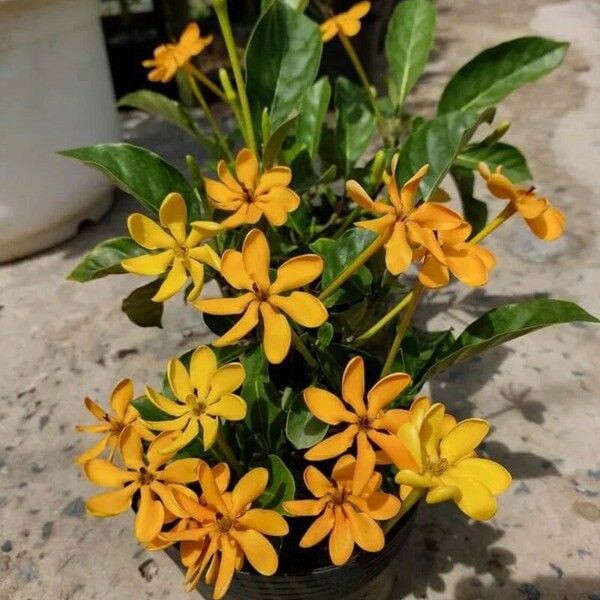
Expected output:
{"points": [[61, 340]]}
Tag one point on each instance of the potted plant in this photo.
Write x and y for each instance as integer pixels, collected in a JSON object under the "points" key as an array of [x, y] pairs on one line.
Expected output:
{"points": [[286, 459]]}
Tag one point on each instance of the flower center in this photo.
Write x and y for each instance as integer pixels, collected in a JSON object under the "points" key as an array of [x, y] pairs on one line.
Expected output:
{"points": [[259, 293], [224, 523], [146, 477], [438, 467], [339, 496], [181, 251], [248, 193], [197, 406], [364, 423]]}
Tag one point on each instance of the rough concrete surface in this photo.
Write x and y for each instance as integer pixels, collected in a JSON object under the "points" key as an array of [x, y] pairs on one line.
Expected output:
{"points": [[62, 340]]}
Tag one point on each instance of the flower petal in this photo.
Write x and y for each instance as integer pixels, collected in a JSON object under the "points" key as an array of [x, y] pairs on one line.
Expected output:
{"points": [[121, 398], [302, 307], [398, 253], [229, 407], [433, 274], [319, 529], [491, 474], [196, 270], [365, 531], [109, 504], [466, 265], [210, 489], [148, 264], [442, 493], [385, 391], [279, 176], [476, 500], [165, 495], [333, 445], [408, 477], [392, 419], [531, 205], [232, 268], [248, 488], [179, 380], [150, 516], [341, 542], [463, 439], [343, 470], [410, 436], [221, 196], [105, 474], [183, 438], [316, 482], [203, 366], [97, 449], [305, 508], [327, 407], [225, 306], [359, 195], [246, 168], [226, 568], [264, 521], [227, 178], [297, 272], [379, 505], [180, 471], [246, 324], [365, 463], [210, 430], [438, 217], [95, 410], [258, 550], [549, 225], [174, 281], [394, 448], [173, 216], [132, 451], [226, 379], [353, 385], [149, 234], [256, 257], [206, 255], [277, 334]]}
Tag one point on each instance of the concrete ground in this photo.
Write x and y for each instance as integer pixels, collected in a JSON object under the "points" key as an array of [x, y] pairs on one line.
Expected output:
{"points": [[62, 340]]}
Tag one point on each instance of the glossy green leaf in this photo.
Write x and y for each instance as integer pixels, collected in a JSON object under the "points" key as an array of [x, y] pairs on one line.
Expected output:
{"points": [[105, 259], [312, 116], [355, 124], [475, 211], [302, 428], [496, 72], [281, 485], [137, 171], [149, 411], [282, 61], [139, 307], [437, 143], [505, 323], [408, 41], [275, 141], [514, 164]]}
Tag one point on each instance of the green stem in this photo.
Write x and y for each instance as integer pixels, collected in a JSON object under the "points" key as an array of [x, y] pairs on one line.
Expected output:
{"points": [[407, 504], [402, 329], [202, 78], [220, 7], [300, 346], [356, 264], [508, 212], [233, 101], [227, 452], [348, 220], [209, 116], [365, 82]]}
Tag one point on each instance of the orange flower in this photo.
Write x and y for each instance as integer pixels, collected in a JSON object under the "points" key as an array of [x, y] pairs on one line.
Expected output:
{"points": [[347, 23], [468, 262], [347, 515], [227, 529], [112, 426], [365, 423], [402, 226], [252, 194], [168, 58], [544, 220]]}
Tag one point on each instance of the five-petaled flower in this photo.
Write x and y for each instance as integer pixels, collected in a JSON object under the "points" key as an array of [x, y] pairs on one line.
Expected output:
{"points": [[168, 58], [544, 220], [178, 251], [365, 423], [344, 513], [468, 262], [203, 395], [227, 528], [346, 23], [252, 194], [111, 426], [402, 226], [445, 464], [249, 270], [147, 473]]}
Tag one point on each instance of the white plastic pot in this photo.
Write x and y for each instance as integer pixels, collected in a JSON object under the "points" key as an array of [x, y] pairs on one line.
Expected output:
{"points": [[55, 93]]}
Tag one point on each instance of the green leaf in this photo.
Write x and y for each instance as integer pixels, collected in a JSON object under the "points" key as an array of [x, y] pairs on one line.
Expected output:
{"points": [[325, 335], [281, 486], [437, 143], [474, 210], [355, 124], [408, 42], [302, 428], [282, 61], [140, 309], [312, 116], [275, 141], [105, 259], [505, 323], [148, 411], [139, 172], [496, 72], [514, 164]]}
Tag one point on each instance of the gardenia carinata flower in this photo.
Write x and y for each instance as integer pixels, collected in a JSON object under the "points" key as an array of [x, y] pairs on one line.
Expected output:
{"points": [[468, 262], [149, 474], [347, 515], [230, 529], [249, 270], [402, 226], [168, 58], [252, 194], [178, 251], [365, 423], [112, 425], [544, 220], [446, 464], [347, 23], [203, 395]]}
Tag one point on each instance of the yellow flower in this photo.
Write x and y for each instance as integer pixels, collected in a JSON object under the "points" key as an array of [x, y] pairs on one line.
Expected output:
{"points": [[203, 395], [468, 262], [249, 270], [446, 464], [252, 194], [227, 529], [147, 474], [365, 423], [168, 58], [347, 515], [402, 226], [347, 23], [544, 220], [181, 251], [112, 425]]}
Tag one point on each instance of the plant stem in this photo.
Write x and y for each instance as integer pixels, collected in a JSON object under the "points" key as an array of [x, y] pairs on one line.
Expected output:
{"points": [[508, 212], [209, 116], [300, 346], [202, 78], [356, 264], [402, 328], [407, 504], [220, 7], [233, 101], [348, 220], [225, 449], [349, 48]]}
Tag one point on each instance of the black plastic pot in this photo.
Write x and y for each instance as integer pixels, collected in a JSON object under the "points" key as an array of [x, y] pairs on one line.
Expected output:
{"points": [[353, 581]]}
